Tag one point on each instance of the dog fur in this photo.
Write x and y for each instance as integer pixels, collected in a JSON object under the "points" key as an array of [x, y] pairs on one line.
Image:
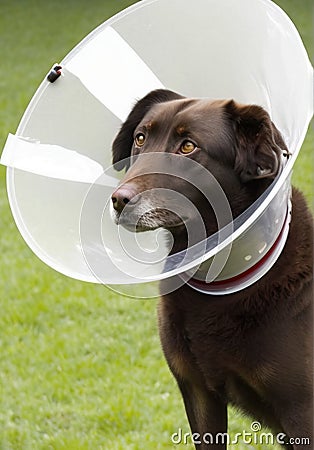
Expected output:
{"points": [[254, 348]]}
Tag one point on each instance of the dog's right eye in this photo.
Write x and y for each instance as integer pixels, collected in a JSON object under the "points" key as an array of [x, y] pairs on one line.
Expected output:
{"points": [[187, 147], [139, 139]]}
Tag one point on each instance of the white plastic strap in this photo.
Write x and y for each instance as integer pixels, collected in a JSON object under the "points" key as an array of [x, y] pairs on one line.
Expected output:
{"points": [[51, 161], [113, 72]]}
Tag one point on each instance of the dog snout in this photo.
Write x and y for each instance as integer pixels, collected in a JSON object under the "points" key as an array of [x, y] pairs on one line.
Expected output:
{"points": [[123, 195]]}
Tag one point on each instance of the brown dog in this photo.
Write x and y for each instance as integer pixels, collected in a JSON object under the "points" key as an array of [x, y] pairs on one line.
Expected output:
{"points": [[253, 348]]}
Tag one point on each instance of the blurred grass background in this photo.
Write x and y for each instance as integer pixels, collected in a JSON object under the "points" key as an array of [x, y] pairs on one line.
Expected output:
{"points": [[80, 366]]}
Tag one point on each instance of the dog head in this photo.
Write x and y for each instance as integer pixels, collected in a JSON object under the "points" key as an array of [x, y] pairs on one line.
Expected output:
{"points": [[237, 144]]}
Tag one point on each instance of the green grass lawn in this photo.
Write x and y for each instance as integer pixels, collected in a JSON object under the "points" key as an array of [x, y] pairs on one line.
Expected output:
{"points": [[80, 366]]}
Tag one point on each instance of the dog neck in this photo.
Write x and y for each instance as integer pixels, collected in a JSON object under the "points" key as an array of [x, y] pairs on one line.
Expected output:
{"points": [[222, 285]]}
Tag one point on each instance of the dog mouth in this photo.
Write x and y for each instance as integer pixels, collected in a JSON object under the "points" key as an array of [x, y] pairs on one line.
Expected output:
{"points": [[139, 221]]}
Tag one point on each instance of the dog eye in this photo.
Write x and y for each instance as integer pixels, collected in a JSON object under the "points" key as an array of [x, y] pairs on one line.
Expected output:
{"points": [[187, 147], [139, 139]]}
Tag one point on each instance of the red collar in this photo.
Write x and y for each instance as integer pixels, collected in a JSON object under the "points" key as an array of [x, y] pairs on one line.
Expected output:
{"points": [[249, 276]]}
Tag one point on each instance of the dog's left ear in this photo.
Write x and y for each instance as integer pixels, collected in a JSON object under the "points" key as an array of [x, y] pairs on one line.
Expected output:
{"points": [[259, 145]]}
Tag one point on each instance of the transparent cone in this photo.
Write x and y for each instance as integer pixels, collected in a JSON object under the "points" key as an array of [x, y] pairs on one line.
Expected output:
{"points": [[59, 162]]}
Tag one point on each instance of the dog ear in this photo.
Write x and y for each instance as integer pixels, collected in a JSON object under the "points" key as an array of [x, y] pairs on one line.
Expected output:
{"points": [[259, 145], [122, 145]]}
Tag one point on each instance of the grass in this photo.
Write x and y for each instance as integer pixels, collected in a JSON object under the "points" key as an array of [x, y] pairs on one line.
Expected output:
{"points": [[81, 367]]}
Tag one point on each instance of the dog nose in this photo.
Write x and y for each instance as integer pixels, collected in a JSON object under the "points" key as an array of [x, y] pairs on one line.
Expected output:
{"points": [[122, 196]]}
